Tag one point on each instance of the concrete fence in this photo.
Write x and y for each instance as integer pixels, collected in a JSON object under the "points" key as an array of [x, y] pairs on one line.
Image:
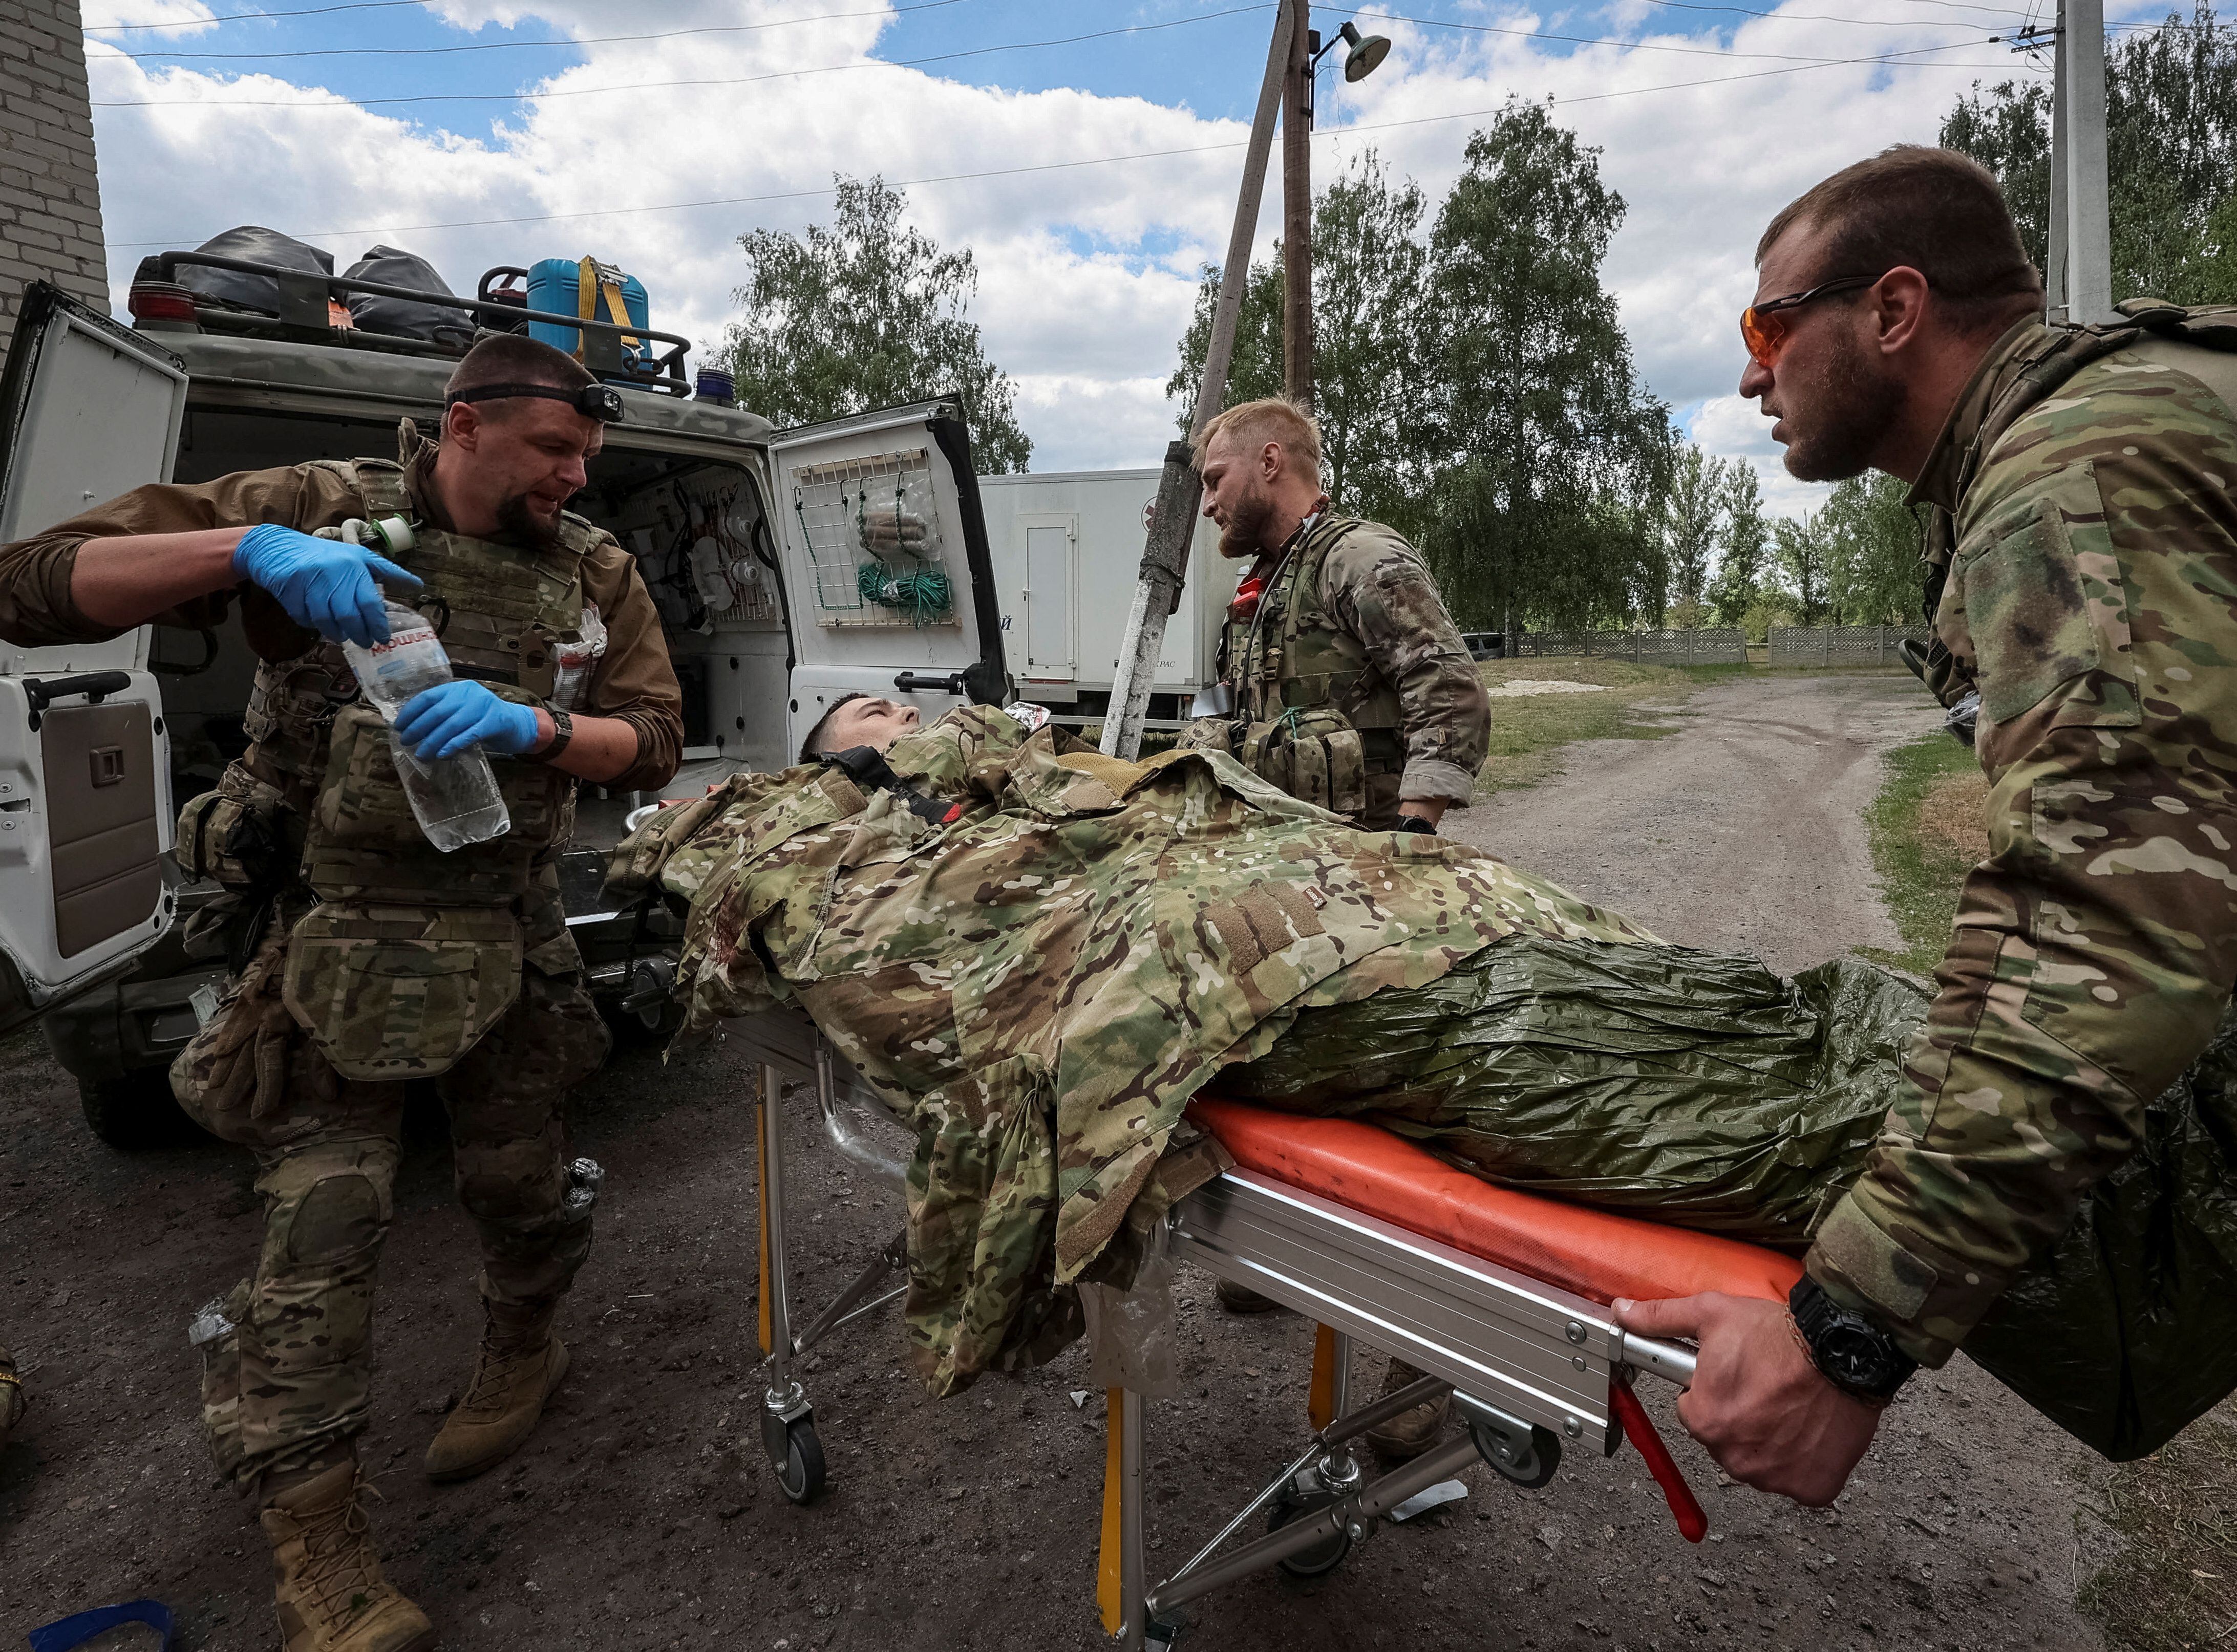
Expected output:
{"points": [[1841, 644], [1717, 646]]}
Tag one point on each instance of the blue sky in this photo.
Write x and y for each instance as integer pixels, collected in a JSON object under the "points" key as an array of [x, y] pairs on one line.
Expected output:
{"points": [[1708, 121]]}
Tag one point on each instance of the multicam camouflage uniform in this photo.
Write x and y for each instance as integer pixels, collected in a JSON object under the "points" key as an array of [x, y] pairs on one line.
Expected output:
{"points": [[1042, 984], [2090, 544], [1353, 690], [370, 959]]}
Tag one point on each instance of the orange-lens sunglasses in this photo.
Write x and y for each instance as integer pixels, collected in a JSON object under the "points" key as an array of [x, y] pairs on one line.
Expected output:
{"points": [[1763, 325]]}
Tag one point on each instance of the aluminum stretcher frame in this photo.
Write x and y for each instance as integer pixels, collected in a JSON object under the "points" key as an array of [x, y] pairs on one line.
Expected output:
{"points": [[1531, 1367]]}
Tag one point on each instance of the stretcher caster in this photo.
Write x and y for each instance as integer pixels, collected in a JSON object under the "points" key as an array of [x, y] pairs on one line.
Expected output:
{"points": [[795, 1454], [1323, 1557]]}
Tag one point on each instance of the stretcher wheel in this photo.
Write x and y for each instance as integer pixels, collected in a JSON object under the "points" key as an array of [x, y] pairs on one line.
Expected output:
{"points": [[797, 1455], [1321, 1559]]}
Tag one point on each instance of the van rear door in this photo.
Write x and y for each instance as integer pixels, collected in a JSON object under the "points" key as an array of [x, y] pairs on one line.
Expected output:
{"points": [[88, 410], [884, 546]]}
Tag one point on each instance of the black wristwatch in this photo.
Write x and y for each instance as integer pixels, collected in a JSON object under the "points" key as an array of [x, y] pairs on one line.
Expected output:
{"points": [[1415, 823], [1850, 1352], [562, 730]]}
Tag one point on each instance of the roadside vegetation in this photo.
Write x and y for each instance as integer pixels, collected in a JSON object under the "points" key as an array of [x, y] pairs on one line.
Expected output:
{"points": [[1927, 832], [1529, 732]]}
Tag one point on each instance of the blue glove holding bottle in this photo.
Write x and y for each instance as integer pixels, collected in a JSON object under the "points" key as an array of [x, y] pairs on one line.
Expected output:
{"points": [[322, 583], [446, 720]]}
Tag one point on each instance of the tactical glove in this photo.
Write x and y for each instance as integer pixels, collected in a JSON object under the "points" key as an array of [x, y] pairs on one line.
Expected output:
{"points": [[322, 583], [446, 720]]}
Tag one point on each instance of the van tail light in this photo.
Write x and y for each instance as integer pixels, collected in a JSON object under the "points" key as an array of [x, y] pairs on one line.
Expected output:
{"points": [[161, 301]]}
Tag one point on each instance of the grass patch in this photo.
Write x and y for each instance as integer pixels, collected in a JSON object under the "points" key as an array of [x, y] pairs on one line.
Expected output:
{"points": [[2173, 1584], [1528, 734], [1926, 833]]}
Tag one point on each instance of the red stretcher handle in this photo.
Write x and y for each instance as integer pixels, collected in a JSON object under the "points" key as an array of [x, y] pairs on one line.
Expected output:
{"points": [[1639, 1429]]}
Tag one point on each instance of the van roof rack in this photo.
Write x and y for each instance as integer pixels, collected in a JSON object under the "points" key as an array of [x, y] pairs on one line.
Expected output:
{"points": [[305, 296]]}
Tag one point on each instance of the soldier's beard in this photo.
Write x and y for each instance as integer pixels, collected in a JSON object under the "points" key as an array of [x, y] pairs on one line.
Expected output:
{"points": [[1245, 534], [524, 527], [1853, 402]]}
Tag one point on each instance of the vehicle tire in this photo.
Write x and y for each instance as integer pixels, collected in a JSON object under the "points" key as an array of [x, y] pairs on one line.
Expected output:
{"points": [[136, 1112]]}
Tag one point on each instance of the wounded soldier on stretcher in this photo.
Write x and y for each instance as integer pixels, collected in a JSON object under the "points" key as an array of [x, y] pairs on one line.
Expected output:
{"points": [[1038, 954]]}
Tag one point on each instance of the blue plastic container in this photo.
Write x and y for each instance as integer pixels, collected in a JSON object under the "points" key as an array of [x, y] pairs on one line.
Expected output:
{"points": [[556, 284]]}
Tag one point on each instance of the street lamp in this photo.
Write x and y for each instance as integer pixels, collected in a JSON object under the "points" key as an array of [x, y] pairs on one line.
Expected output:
{"points": [[1362, 53]]}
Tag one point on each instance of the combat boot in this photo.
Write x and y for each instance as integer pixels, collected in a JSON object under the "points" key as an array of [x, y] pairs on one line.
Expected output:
{"points": [[521, 1363], [1415, 1430], [327, 1588]]}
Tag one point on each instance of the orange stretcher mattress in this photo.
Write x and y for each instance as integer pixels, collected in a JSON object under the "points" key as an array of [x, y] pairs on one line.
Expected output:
{"points": [[1595, 1254]]}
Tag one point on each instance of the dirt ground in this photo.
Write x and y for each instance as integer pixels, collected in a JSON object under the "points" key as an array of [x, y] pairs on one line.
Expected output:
{"points": [[643, 1514]]}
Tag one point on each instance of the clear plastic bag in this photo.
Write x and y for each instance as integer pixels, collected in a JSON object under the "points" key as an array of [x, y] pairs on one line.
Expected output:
{"points": [[579, 657], [1130, 1334]]}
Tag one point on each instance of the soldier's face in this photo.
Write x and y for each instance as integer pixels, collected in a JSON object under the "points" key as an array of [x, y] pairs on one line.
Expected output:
{"points": [[874, 723], [522, 459], [1237, 495], [1834, 398]]}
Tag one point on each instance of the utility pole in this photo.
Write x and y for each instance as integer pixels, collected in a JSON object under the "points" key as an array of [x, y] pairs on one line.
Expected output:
{"points": [[2077, 277], [2054, 275], [1297, 211], [2089, 196], [1172, 525]]}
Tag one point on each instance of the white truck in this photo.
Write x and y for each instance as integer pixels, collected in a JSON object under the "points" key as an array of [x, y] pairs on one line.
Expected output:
{"points": [[751, 540], [1065, 549]]}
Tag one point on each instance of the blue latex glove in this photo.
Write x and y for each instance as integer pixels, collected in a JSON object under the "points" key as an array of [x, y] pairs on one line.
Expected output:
{"points": [[446, 720], [322, 583]]}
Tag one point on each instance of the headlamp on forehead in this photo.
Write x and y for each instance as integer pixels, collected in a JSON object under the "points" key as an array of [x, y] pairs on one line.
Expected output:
{"points": [[601, 402]]}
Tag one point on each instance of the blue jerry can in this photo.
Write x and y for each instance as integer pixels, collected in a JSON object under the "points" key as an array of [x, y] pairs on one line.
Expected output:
{"points": [[556, 284]]}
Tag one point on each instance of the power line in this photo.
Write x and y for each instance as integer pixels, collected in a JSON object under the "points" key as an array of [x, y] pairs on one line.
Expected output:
{"points": [[515, 45], [383, 5], [658, 86], [1063, 165]]}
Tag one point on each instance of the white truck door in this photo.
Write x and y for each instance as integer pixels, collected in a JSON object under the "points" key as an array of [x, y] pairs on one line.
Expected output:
{"points": [[884, 548], [88, 410], [1050, 541]]}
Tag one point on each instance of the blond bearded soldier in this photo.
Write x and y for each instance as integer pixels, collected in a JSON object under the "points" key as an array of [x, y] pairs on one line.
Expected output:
{"points": [[369, 957], [1351, 685]]}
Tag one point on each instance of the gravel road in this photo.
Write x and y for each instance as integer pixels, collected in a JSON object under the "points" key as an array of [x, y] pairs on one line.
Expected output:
{"points": [[643, 1515]]}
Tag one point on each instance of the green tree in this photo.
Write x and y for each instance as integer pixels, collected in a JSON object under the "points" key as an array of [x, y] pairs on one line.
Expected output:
{"points": [[1801, 554], [1872, 550], [2171, 145], [1368, 262], [867, 313], [1740, 569], [1547, 462], [1694, 513]]}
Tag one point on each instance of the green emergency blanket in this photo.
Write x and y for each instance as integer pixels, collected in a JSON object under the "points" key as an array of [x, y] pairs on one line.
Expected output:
{"points": [[1702, 1090]]}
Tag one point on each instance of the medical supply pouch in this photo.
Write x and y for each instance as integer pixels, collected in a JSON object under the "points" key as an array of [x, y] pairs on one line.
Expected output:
{"points": [[1315, 756], [391, 992], [241, 834]]}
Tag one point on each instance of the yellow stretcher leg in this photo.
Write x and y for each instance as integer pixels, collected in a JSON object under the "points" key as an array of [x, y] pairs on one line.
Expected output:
{"points": [[1109, 1595], [1320, 1401], [761, 1160]]}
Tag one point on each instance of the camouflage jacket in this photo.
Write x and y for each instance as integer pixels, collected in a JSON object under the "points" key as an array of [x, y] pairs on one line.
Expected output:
{"points": [[1371, 639], [1040, 985], [2089, 596]]}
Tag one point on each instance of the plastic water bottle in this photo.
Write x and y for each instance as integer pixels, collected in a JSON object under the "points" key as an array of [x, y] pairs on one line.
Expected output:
{"points": [[454, 798]]}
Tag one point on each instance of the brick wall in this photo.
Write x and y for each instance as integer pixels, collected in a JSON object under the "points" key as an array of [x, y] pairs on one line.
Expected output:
{"points": [[49, 196]]}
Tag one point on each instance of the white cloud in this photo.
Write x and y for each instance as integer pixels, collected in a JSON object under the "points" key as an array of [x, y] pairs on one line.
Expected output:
{"points": [[1073, 301]]}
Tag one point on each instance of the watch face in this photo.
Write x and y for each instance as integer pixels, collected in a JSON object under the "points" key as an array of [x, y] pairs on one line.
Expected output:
{"points": [[1855, 1358]]}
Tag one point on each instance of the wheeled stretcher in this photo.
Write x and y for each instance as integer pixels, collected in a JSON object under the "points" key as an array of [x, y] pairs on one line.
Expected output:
{"points": [[1496, 1294]]}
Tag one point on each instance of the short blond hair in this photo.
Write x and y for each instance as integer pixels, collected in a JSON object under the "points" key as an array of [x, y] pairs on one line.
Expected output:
{"points": [[1272, 418]]}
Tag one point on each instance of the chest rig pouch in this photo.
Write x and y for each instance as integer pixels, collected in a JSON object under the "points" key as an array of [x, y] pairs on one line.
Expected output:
{"points": [[411, 954], [1295, 671]]}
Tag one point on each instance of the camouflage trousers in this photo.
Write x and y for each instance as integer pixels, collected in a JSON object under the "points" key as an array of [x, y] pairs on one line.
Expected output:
{"points": [[286, 1387]]}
